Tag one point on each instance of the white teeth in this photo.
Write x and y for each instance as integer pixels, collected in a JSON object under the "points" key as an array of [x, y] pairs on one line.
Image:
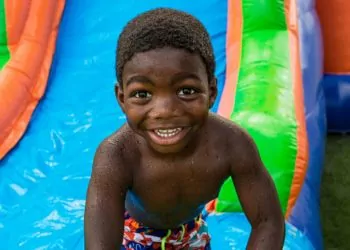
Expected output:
{"points": [[167, 132]]}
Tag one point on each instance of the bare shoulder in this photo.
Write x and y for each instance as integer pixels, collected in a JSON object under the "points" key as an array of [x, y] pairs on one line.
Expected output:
{"points": [[236, 140], [228, 130], [116, 155], [121, 144]]}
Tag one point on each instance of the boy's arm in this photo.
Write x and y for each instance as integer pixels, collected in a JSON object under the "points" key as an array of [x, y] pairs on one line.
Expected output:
{"points": [[258, 197], [104, 212]]}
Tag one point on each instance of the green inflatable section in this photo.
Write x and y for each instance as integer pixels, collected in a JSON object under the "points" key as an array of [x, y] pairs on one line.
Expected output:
{"points": [[264, 102], [4, 51]]}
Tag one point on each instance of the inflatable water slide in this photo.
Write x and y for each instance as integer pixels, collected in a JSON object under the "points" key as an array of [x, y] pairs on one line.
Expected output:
{"points": [[57, 104], [335, 20]]}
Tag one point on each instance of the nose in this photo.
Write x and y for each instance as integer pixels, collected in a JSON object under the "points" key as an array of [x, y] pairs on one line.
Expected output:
{"points": [[164, 108]]}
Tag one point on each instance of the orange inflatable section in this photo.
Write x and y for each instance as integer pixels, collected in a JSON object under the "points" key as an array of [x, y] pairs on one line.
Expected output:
{"points": [[302, 156], [32, 27], [335, 21], [233, 53]]}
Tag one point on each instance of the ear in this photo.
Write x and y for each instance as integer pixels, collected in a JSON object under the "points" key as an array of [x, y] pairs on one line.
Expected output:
{"points": [[213, 91], [119, 94]]}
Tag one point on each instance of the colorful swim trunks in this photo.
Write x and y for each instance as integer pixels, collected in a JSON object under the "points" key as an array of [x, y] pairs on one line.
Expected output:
{"points": [[192, 235]]}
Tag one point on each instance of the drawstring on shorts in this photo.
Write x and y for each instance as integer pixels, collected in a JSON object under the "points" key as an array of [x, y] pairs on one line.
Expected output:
{"points": [[169, 233]]}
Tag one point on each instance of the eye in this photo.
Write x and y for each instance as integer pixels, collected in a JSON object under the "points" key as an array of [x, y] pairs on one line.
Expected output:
{"points": [[187, 91], [142, 94]]}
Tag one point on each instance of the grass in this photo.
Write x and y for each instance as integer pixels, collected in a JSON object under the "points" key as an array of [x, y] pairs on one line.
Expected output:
{"points": [[335, 193]]}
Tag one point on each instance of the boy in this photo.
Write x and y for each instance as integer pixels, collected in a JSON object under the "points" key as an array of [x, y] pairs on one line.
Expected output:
{"points": [[152, 178]]}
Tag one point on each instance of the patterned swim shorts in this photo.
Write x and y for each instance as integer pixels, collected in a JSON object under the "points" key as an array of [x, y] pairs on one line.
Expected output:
{"points": [[192, 235]]}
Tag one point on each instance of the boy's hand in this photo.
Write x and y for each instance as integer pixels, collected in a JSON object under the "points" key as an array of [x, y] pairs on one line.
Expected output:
{"points": [[104, 214], [258, 197]]}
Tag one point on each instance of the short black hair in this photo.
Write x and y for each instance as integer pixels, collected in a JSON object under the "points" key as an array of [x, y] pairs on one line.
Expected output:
{"points": [[164, 27]]}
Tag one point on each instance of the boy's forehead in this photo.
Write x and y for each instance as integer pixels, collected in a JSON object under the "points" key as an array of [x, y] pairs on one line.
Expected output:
{"points": [[166, 57]]}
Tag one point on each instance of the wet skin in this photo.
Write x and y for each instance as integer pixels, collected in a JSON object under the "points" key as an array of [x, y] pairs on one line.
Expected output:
{"points": [[172, 156]]}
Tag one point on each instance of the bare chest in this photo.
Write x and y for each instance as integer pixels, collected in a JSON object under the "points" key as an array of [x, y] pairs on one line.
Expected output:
{"points": [[167, 185]]}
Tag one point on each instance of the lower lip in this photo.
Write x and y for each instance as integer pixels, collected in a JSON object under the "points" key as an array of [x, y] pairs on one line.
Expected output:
{"points": [[167, 141]]}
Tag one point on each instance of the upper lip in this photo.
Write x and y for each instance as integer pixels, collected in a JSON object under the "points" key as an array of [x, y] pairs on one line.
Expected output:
{"points": [[167, 127]]}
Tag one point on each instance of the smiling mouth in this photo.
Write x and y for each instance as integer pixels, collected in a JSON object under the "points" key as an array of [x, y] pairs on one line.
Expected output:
{"points": [[164, 133], [168, 136]]}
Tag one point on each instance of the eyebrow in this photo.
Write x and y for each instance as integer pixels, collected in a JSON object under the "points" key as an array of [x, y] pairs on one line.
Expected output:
{"points": [[183, 76], [177, 78], [138, 78]]}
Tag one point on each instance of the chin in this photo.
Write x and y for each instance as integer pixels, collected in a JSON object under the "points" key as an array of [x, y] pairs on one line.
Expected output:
{"points": [[170, 149]]}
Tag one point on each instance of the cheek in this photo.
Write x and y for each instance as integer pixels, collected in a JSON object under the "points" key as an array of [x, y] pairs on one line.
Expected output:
{"points": [[203, 101], [199, 108], [134, 114]]}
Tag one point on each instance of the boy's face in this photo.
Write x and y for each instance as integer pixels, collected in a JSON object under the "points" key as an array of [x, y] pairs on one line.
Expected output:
{"points": [[166, 97]]}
